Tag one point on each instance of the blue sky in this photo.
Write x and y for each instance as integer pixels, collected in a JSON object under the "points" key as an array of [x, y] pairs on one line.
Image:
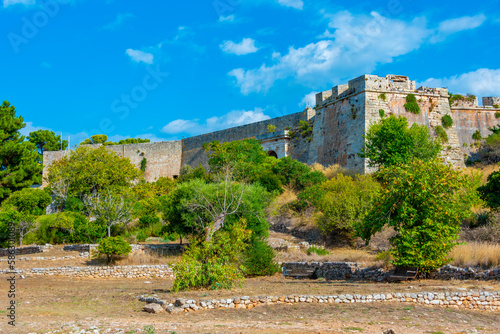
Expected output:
{"points": [[171, 69]]}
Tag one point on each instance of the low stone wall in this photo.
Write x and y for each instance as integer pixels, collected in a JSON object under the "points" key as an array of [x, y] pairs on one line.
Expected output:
{"points": [[83, 248], [351, 270], [478, 300], [43, 258], [26, 250], [145, 271]]}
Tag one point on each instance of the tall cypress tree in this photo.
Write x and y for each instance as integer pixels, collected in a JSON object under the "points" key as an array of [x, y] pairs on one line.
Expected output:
{"points": [[19, 166]]}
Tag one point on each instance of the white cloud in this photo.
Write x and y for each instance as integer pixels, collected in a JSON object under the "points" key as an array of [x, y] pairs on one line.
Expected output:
{"points": [[140, 56], [311, 98], [31, 128], [297, 4], [358, 44], [353, 44], [449, 27], [118, 21], [7, 3], [483, 82], [229, 18], [246, 46], [231, 119]]}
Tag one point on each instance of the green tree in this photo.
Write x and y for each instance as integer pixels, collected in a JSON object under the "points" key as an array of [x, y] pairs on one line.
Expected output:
{"points": [[30, 201], [390, 142], [345, 201], [89, 170], [46, 140], [214, 264], [96, 139], [19, 161], [490, 192], [246, 158], [425, 202], [128, 141], [112, 248], [111, 208]]}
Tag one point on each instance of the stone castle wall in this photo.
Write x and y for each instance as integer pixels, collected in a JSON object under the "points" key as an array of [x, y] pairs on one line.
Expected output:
{"points": [[163, 159], [193, 153], [342, 115]]}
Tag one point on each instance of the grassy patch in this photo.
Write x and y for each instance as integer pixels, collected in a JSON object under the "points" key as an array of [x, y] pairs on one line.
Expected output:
{"points": [[354, 329]]}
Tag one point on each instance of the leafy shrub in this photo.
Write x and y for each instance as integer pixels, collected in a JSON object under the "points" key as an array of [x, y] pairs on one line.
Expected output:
{"points": [[144, 162], [31, 201], [187, 173], [73, 204], [112, 248], [309, 179], [271, 182], [215, 264], [447, 121], [259, 259], [146, 221], [441, 134], [317, 250], [142, 235], [490, 192], [271, 128], [386, 257], [345, 203], [411, 104], [497, 107], [381, 112], [290, 170], [497, 114], [477, 135]]}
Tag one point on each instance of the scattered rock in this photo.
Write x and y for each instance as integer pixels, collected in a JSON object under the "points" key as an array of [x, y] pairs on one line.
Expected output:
{"points": [[153, 308]]}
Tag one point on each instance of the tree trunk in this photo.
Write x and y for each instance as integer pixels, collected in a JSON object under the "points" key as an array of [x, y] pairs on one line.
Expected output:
{"points": [[219, 223], [21, 240], [109, 230]]}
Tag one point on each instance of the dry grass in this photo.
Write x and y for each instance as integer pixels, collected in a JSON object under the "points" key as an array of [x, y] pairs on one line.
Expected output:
{"points": [[331, 171], [142, 258], [336, 255], [476, 254], [487, 170]]}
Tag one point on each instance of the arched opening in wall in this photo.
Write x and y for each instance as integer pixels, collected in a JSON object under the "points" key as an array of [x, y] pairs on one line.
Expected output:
{"points": [[272, 154]]}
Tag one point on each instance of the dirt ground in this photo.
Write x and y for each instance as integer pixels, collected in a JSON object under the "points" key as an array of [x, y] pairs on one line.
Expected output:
{"points": [[66, 305]]}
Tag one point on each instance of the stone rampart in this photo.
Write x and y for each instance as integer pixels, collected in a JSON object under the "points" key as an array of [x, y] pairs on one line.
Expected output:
{"points": [[194, 154]]}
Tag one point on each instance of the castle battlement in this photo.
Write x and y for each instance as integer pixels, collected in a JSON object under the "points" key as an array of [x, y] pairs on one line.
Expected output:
{"points": [[390, 84]]}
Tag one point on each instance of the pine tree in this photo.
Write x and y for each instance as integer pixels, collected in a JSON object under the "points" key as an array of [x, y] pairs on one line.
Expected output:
{"points": [[19, 165]]}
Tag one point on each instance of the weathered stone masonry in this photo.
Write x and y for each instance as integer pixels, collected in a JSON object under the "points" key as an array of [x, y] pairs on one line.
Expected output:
{"points": [[342, 115]]}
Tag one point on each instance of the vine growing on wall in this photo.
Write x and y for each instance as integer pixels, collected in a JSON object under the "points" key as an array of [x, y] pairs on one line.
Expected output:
{"points": [[411, 104], [143, 164], [382, 97]]}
